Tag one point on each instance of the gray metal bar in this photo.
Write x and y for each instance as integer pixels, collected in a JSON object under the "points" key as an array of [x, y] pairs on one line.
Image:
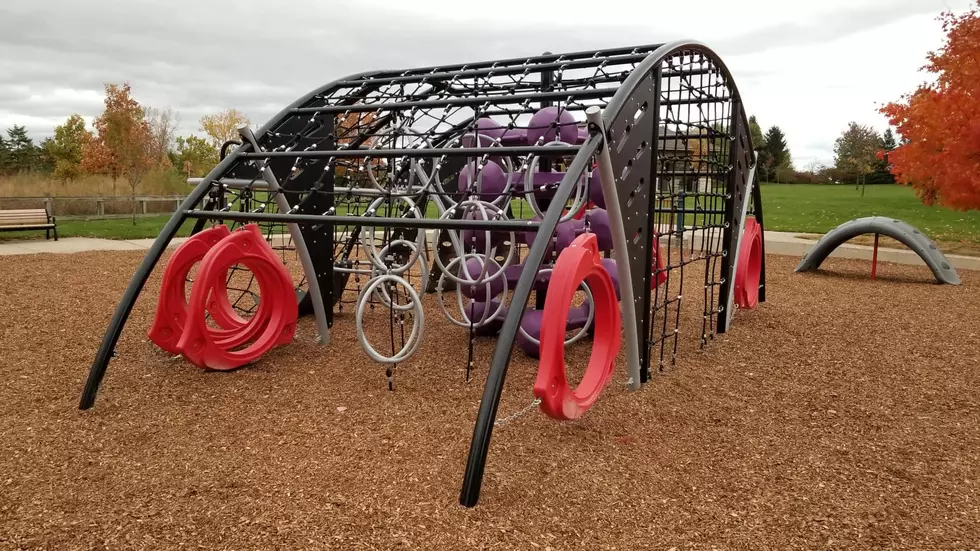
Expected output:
{"points": [[607, 180], [312, 282], [372, 221], [421, 152], [588, 93]]}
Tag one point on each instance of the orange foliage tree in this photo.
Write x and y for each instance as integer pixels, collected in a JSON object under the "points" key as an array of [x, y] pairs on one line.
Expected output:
{"points": [[940, 121], [347, 129], [124, 144]]}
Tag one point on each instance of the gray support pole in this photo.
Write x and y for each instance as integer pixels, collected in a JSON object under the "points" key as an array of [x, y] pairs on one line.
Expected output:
{"points": [[301, 249], [607, 180], [730, 299]]}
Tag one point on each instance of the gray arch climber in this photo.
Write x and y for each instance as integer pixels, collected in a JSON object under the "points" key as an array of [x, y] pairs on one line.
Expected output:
{"points": [[910, 236]]}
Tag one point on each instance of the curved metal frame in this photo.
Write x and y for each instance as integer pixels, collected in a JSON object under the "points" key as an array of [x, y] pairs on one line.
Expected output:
{"points": [[640, 86]]}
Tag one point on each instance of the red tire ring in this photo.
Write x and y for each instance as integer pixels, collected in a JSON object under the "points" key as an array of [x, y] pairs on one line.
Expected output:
{"points": [[273, 324], [659, 274], [749, 270], [171, 312], [580, 261]]}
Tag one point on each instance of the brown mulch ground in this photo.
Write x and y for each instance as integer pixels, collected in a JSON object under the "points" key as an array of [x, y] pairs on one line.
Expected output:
{"points": [[844, 413]]}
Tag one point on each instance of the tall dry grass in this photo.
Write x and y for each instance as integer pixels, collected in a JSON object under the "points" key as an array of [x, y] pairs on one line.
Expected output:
{"points": [[36, 184]]}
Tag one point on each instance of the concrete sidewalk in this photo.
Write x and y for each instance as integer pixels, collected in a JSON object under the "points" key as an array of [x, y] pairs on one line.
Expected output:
{"points": [[781, 243], [67, 245]]}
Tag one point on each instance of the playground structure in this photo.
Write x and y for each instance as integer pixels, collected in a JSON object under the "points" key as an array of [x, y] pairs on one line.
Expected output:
{"points": [[903, 232], [608, 172]]}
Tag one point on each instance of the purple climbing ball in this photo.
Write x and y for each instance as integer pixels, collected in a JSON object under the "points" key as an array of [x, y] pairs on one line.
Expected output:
{"points": [[494, 318], [476, 240], [565, 233], [598, 222], [595, 191], [473, 269], [484, 127], [552, 123], [489, 183]]}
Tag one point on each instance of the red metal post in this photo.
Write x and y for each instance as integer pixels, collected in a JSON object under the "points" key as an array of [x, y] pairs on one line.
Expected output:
{"points": [[874, 259]]}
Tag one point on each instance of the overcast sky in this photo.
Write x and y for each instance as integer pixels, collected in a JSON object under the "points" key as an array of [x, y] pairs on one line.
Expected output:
{"points": [[809, 67]]}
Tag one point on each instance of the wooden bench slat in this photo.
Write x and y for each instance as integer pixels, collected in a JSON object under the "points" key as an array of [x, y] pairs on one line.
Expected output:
{"points": [[28, 219], [27, 227]]}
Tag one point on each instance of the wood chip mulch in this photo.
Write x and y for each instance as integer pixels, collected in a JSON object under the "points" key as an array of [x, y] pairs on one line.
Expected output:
{"points": [[842, 414]]}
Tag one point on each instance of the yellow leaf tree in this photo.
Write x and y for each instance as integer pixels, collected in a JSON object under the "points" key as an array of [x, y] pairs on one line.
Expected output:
{"points": [[223, 126]]}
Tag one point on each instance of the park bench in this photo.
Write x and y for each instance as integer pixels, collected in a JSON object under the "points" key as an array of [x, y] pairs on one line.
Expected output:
{"points": [[29, 219]]}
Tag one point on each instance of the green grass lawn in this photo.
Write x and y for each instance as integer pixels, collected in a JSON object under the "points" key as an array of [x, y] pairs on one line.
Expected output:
{"points": [[109, 228], [810, 209], [821, 208]]}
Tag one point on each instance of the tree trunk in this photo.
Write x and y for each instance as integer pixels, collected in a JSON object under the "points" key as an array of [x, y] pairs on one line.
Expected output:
{"points": [[134, 204]]}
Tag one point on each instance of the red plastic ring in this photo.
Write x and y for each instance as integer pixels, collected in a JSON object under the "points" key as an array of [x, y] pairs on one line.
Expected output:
{"points": [[171, 311], [579, 262], [749, 270], [272, 325]]}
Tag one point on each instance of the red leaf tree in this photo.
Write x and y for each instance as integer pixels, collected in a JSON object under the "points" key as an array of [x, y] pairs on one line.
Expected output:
{"points": [[124, 144], [940, 121]]}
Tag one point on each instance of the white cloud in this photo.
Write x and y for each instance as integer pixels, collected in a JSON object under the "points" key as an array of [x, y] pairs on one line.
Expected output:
{"points": [[808, 67]]}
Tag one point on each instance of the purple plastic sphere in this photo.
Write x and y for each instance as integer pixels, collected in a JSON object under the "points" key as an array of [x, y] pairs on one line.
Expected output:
{"points": [[478, 291], [595, 191], [476, 240], [598, 220], [484, 127], [553, 124], [489, 183]]}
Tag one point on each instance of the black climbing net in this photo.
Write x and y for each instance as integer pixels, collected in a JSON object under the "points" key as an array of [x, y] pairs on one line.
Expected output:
{"points": [[375, 151]]}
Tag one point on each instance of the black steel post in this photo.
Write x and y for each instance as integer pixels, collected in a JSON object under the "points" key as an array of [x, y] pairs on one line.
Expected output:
{"points": [[483, 429]]}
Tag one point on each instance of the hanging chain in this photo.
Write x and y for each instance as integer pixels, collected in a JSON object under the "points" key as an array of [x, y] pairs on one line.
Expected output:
{"points": [[504, 420]]}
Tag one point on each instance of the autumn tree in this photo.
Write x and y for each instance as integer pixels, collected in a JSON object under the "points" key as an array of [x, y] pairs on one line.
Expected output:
{"points": [[940, 121], [67, 146], [124, 144], [194, 156], [350, 131], [112, 129], [223, 126]]}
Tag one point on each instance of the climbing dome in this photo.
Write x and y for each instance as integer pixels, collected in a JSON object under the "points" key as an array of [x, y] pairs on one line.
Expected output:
{"points": [[478, 183]]}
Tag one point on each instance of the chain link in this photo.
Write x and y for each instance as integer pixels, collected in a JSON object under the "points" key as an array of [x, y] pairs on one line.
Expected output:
{"points": [[503, 421]]}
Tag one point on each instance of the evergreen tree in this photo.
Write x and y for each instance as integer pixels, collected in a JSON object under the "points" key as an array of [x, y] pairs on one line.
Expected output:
{"points": [[774, 157], [4, 157], [882, 171], [21, 152]]}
